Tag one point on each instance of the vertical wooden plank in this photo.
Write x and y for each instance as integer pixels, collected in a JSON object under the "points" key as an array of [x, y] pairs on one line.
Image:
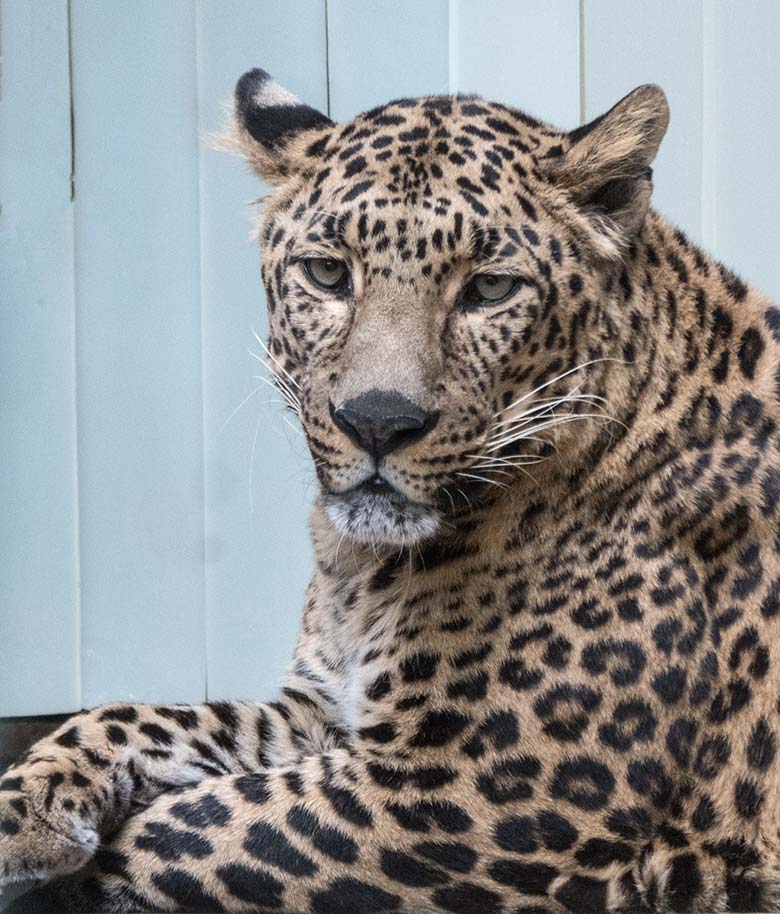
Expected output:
{"points": [[139, 371], [39, 533], [709, 113], [660, 42], [257, 551], [523, 54], [378, 51], [743, 126]]}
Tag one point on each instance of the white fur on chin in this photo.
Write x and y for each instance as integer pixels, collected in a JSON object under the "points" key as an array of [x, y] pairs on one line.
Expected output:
{"points": [[374, 520]]}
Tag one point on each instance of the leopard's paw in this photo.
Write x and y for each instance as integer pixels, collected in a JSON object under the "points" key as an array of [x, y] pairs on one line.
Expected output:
{"points": [[47, 828], [75, 894]]}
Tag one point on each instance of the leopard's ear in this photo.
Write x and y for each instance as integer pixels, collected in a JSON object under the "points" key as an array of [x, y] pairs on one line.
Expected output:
{"points": [[606, 169], [272, 127]]}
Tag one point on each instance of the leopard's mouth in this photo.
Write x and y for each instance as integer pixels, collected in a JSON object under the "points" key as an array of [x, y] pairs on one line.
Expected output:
{"points": [[375, 512]]}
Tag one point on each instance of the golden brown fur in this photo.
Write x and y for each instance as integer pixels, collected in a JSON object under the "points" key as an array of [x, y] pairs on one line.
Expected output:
{"points": [[543, 677]]}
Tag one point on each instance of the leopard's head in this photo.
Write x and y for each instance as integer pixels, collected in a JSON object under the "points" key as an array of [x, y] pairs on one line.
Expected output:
{"points": [[434, 268]]}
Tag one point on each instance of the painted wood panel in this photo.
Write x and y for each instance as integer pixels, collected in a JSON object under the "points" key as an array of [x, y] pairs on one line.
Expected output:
{"points": [[139, 351], [187, 518], [258, 474], [524, 54], [742, 75], [660, 42], [39, 614], [378, 51]]}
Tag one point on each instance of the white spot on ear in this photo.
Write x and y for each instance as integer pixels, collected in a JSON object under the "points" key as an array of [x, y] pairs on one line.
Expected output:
{"points": [[272, 95]]}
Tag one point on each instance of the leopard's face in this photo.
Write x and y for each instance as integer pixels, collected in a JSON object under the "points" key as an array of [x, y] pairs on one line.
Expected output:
{"points": [[427, 272]]}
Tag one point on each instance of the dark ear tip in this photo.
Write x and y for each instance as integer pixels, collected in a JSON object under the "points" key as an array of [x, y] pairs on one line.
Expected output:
{"points": [[269, 113], [250, 83]]}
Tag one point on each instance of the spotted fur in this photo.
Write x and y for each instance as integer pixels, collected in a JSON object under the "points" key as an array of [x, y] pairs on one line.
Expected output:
{"points": [[538, 666]]}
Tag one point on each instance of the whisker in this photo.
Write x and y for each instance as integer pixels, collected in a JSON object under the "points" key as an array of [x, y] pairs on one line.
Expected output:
{"points": [[464, 496], [275, 375], [572, 396], [488, 464], [509, 437], [492, 482], [449, 495], [526, 473], [541, 414], [243, 403], [279, 382], [555, 422], [508, 458], [543, 406], [547, 422], [505, 432], [293, 427], [292, 403], [273, 358], [560, 377], [541, 400], [554, 401], [531, 414]]}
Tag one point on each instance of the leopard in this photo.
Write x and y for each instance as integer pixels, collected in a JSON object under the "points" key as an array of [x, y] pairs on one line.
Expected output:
{"points": [[538, 667]]}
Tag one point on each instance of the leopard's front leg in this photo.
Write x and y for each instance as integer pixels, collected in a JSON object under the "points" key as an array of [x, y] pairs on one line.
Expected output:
{"points": [[354, 832], [76, 787], [319, 836]]}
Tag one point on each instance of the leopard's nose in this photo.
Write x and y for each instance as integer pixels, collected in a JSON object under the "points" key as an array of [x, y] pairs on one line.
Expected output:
{"points": [[382, 421]]}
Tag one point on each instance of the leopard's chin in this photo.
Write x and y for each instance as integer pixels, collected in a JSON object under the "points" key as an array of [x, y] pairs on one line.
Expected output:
{"points": [[376, 515]]}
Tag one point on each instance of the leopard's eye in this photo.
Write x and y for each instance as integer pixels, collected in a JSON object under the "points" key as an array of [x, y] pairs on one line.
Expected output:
{"points": [[494, 286], [326, 272], [489, 289]]}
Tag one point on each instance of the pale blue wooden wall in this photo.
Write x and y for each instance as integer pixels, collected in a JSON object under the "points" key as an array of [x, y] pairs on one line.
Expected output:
{"points": [[152, 547]]}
